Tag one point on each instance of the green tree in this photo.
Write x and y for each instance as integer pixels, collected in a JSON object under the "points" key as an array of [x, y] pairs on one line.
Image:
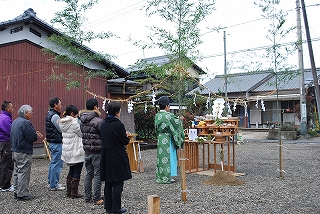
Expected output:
{"points": [[277, 54], [70, 44], [180, 44], [144, 122]]}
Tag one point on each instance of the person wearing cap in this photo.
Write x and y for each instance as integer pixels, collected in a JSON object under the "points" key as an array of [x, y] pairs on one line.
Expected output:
{"points": [[170, 134]]}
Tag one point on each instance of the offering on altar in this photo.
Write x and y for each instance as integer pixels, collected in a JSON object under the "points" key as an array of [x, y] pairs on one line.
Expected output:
{"points": [[217, 107], [219, 137], [202, 123], [209, 117]]}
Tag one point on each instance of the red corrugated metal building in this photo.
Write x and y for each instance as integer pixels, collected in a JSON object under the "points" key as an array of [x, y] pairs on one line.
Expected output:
{"points": [[25, 71]]}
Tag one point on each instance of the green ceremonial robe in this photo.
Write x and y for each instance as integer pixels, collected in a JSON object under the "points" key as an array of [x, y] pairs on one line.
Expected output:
{"points": [[169, 129]]}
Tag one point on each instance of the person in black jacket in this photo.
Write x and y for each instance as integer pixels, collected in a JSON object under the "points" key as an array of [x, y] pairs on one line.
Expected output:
{"points": [[54, 137], [90, 128], [115, 168], [22, 136]]}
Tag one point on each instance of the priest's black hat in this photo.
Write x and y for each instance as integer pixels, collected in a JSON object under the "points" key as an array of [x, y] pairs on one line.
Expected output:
{"points": [[164, 101]]}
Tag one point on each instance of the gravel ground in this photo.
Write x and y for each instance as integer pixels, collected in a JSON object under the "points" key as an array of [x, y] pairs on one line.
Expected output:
{"points": [[263, 192]]}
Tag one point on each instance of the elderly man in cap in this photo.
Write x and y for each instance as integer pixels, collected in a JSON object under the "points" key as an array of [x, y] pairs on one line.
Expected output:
{"points": [[170, 134]]}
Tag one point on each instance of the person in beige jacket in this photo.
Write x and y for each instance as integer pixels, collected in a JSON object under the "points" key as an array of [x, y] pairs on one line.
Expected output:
{"points": [[72, 149]]}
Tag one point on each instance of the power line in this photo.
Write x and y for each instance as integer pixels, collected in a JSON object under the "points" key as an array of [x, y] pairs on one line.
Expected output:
{"points": [[116, 15], [220, 54], [257, 48], [128, 53], [247, 22]]}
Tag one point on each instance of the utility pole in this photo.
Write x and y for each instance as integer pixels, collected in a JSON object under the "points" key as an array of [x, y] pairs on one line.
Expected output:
{"points": [[313, 66], [225, 65], [303, 106]]}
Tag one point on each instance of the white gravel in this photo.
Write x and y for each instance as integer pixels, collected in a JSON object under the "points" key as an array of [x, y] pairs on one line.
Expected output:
{"points": [[264, 191]]}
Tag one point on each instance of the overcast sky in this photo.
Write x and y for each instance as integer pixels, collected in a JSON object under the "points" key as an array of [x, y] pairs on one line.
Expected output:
{"points": [[244, 28]]}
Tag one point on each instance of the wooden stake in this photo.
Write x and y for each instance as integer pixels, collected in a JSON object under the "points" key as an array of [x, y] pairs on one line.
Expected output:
{"points": [[153, 204], [281, 175], [183, 175], [141, 166]]}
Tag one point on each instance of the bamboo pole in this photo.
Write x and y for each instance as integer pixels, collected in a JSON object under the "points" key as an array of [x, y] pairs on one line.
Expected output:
{"points": [[281, 175], [183, 175]]}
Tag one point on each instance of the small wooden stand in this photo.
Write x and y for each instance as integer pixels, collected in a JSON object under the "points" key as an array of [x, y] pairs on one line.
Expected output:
{"points": [[153, 204], [134, 154]]}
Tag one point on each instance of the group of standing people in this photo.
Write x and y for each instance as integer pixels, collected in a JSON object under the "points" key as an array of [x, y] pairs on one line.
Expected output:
{"points": [[75, 140], [78, 138], [83, 138], [100, 145]]}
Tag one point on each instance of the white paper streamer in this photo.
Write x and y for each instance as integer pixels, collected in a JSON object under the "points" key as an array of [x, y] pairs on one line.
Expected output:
{"points": [[234, 105], [208, 102], [262, 106], [130, 106], [229, 108], [245, 109], [153, 97], [104, 105]]}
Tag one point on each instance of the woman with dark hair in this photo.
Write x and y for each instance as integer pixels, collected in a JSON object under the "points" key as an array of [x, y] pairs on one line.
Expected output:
{"points": [[72, 149], [115, 168]]}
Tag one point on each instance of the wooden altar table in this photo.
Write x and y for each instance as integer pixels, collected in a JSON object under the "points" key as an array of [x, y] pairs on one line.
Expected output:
{"points": [[202, 156], [199, 156]]}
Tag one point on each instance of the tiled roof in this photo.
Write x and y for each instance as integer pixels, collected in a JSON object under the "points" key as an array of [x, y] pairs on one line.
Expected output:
{"points": [[30, 15], [286, 82], [159, 61], [240, 82], [255, 82], [122, 80]]}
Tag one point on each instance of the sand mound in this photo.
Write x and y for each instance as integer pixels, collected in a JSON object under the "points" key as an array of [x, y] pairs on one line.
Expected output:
{"points": [[223, 178]]}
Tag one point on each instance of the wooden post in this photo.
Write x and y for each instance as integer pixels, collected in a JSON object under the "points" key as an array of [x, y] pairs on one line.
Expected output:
{"points": [[183, 175], [153, 204], [281, 175]]}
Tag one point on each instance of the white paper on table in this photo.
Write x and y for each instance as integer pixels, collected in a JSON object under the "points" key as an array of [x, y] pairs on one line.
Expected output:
{"points": [[192, 134]]}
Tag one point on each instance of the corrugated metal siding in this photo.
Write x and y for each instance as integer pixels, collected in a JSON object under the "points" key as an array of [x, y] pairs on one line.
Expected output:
{"points": [[24, 70]]}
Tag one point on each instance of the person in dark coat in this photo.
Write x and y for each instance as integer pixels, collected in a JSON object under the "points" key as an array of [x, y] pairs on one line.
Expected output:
{"points": [[90, 128], [22, 136], [115, 168]]}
